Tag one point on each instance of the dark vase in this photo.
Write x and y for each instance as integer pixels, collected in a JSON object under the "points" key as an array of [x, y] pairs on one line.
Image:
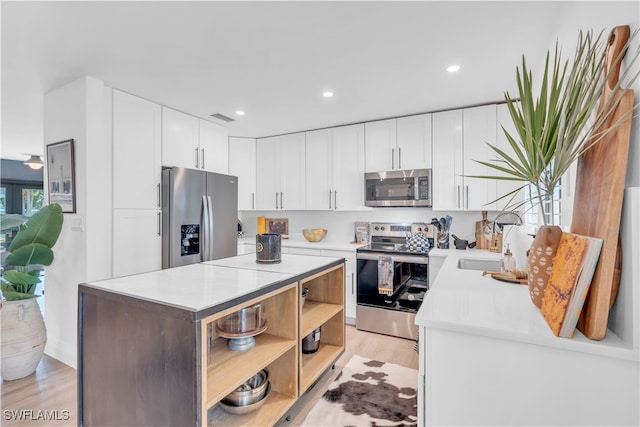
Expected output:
{"points": [[541, 257]]}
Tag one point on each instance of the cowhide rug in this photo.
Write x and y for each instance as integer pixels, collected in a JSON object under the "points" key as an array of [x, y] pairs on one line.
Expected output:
{"points": [[368, 393]]}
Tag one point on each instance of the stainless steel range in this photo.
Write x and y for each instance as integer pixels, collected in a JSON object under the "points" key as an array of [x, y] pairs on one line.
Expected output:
{"points": [[392, 278]]}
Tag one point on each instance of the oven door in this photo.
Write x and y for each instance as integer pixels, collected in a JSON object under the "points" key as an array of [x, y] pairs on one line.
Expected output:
{"points": [[408, 269]]}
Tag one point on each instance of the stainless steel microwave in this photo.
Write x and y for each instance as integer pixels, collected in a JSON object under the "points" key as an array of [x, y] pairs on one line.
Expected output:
{"points": [[398, 188]]}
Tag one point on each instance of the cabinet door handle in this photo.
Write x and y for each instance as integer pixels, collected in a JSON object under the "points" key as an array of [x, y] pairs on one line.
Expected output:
{"points": [[253, 200], [393, 158], [159, 224], [467, 188], [202, 162], [276, 200], [197, 159], [158, 195], [399, 158], [335, 199], [330, 198], [281, 204], [353, 280]]}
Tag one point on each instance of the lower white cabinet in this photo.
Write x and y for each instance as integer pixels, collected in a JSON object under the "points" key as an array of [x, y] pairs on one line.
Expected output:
{"points": [[137, 244]]}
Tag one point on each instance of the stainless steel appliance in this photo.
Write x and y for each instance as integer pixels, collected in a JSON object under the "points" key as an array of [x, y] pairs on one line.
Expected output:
{"points": [[398, 188], [392, 314], [199, 216]]}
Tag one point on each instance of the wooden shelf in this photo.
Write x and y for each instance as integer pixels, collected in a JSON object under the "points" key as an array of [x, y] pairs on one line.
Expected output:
{"points": [[313, 365], [315, 313], [271, 411], [229, 369]]}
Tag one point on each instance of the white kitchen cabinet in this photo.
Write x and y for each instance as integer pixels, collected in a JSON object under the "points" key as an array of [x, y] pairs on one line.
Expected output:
{"points": [[505, 187], [335, 168], [180, 139], [136, 152], [395, 144], [136, 184], [280, 172], [459, 139], [414, 142], [190, 142], [242, 163], [214, 147], [380, 141], [137, 243]]}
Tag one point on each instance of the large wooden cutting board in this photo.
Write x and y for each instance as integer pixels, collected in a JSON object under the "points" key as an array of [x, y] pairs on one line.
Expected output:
{"points": [[599, 191]]}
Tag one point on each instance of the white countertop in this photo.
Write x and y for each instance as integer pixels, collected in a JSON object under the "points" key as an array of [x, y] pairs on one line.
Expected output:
{"points": [[292, 242], [200, 286], [465, 301], [290, 264]]}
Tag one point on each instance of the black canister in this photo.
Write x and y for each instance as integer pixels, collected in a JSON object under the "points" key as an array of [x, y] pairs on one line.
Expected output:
{"points": [[268, 248]]}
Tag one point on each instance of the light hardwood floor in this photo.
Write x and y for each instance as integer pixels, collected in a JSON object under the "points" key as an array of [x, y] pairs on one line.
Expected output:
{"points": [[53, 387]]}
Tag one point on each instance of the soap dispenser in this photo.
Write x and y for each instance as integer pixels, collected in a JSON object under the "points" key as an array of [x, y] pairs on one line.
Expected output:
{"points": [[508, 262]]}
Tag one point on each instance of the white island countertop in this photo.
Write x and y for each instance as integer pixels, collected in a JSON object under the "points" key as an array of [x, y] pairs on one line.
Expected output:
{"points": [[198, 287], [464, 301], [300, 242]]}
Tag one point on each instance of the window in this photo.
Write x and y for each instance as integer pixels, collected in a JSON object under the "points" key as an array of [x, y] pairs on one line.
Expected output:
{"points": [[24, 198], [552, 206]]}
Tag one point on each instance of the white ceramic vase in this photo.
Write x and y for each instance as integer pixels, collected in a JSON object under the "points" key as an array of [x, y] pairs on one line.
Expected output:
{"points": [[22, 338]]}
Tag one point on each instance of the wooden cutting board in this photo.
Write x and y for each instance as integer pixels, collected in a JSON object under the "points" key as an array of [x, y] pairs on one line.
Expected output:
{"points": [[598, 198]]}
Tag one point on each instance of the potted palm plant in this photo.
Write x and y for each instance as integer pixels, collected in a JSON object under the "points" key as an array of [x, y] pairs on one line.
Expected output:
{"points": [[560, 121], [555, 124], [23, 334]]}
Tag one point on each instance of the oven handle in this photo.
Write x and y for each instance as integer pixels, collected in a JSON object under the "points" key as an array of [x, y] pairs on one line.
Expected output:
{"points": [[414, 259]]}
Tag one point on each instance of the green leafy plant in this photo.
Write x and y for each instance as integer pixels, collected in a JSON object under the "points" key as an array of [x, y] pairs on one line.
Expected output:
{"points": [[556, 125], [30, 248]]}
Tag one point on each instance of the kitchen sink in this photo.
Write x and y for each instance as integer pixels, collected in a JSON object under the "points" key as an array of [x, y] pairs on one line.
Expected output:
{"points": [[479, 264]]}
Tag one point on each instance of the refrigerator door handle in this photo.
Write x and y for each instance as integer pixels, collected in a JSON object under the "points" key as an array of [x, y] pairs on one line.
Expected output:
{"points": [[209, 240], [204, 233]]}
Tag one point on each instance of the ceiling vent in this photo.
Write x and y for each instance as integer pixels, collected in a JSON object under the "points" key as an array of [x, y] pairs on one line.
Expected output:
{"points": [[222, 117]]}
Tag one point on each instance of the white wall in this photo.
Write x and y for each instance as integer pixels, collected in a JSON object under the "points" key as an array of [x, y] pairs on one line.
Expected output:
{"points": [[83, 251]]}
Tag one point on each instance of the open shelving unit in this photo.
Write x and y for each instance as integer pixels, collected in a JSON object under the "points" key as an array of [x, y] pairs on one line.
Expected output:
{"points": [[275, 350], [324, 309]]}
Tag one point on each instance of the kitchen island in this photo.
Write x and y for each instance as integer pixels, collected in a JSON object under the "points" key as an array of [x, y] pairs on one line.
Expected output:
{"points": [[487, 357], [149, 352]]}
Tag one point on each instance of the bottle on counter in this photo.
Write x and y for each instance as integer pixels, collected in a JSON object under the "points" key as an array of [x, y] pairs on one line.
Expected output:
{"points": [[508, 263]]}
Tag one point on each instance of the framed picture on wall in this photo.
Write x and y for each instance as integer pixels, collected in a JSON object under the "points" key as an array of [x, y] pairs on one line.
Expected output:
{"points": [[61, 175]]}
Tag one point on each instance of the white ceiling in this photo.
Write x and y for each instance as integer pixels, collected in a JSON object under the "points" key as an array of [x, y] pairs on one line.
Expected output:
{"points": [[270, 59]]}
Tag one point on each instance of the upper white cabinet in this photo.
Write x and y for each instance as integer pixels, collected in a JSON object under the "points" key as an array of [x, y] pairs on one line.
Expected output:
{"points": [[459, 139], [414, 142], [136, 152], [280, 172], [242, 163], [506, 187], [190, 142], [180, 135], [348, 167], [335, 168], [381, 151], [214, 147], [394, 144]]}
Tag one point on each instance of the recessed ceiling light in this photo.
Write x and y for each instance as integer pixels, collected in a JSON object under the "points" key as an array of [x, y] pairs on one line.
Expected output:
{"points": [[453, 68], [327, 94], [240, 113]]}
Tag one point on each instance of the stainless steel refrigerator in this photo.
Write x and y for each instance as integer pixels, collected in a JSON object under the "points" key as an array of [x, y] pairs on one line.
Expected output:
{"points": [[199, 216]]}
